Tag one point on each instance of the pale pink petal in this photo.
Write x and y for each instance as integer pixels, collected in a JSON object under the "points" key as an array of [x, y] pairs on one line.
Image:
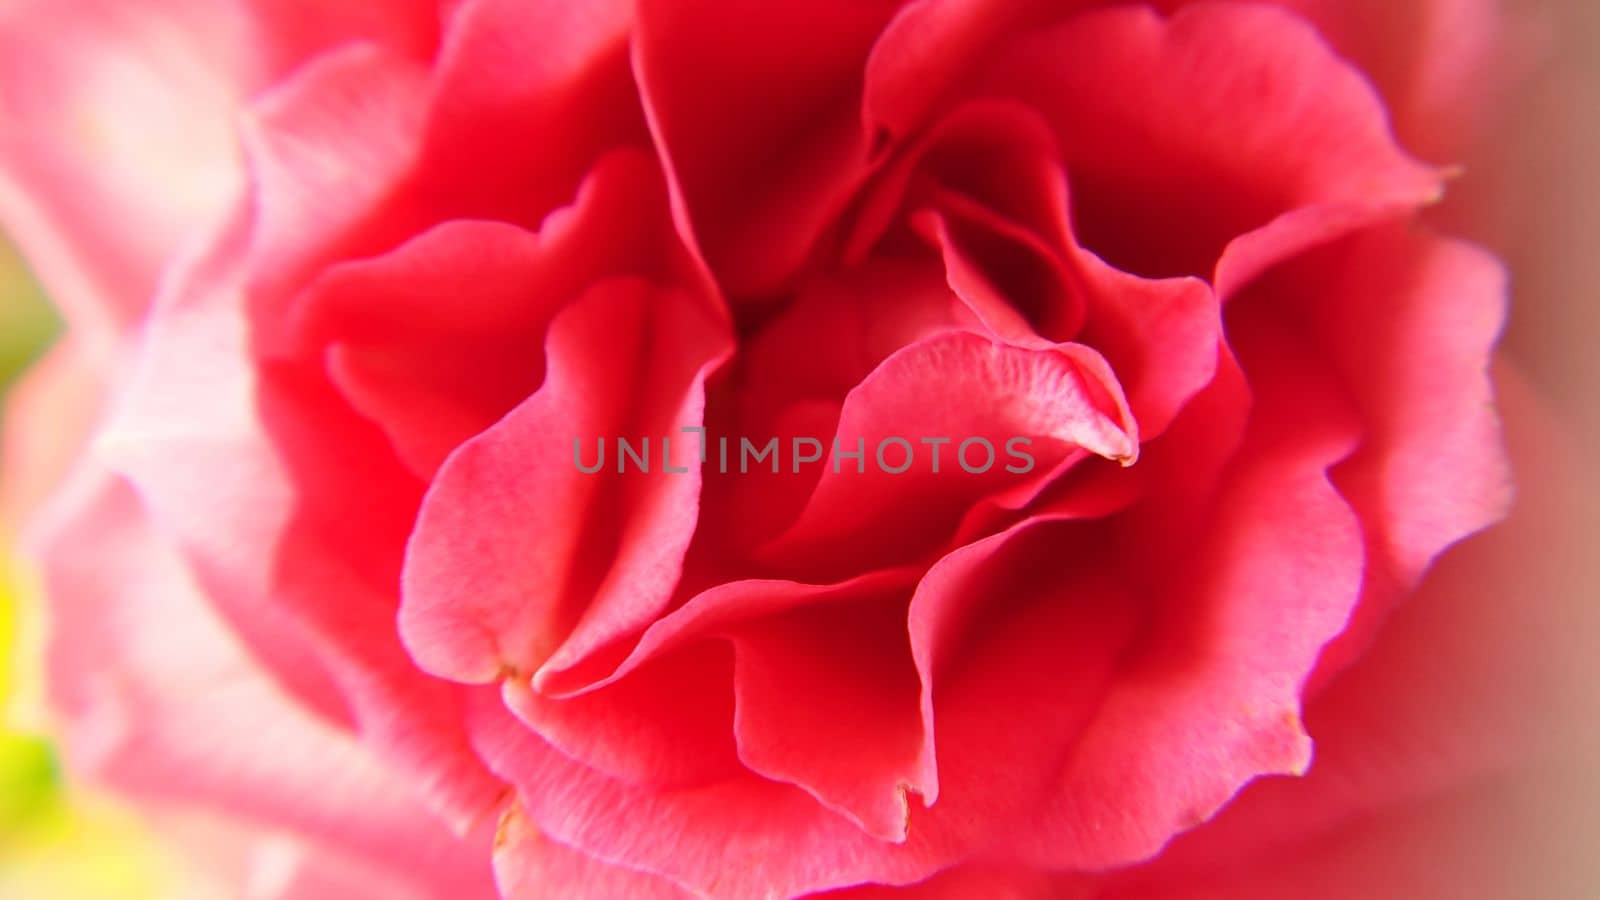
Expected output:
{"points": [[160, 699], [118, 137], [326, 148], [231, 461]]}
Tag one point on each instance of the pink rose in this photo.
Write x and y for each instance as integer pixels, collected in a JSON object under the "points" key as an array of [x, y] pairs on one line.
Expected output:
{"points": [[1120, 403]]}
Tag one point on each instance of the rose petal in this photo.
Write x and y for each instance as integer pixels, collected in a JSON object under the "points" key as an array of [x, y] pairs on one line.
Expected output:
{"points": [[960, 386], [117, 139], [433, 373], [1016, 639], [510, 74], [920, 56], [986, 187], [529, 866], [641, 729], [1439, 63], [1211, 698], [1446, 733], [161, 700], [326, 148], [736, 838], [498, 578], [233, 464], [790, 380], [1182, 134], [1409, 321], [826, 699], [992, 882], [755, 108], [719, 609]]}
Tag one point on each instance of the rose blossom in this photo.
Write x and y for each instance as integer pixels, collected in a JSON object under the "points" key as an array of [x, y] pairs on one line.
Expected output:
{"points": [[343, 288]]}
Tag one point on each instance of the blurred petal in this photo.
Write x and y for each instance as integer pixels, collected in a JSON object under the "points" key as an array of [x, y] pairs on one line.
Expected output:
{"points": [[160, 700], [231, 462], [1453, 756], [117, 125]]}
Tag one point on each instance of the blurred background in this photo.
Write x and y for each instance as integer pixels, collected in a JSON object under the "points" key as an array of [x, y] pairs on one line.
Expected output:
{"points": [[56, 842]]}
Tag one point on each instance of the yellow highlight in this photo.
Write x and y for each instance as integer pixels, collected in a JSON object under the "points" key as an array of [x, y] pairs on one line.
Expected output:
{"points": [[55, 842]]}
